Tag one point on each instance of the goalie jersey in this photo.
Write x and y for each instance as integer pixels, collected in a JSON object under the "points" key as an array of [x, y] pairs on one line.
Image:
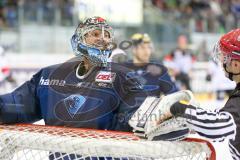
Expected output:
{"points": [[101, 99]]}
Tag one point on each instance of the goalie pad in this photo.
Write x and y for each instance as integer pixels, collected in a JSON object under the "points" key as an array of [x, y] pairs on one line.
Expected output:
{"points": [[153, 109]]}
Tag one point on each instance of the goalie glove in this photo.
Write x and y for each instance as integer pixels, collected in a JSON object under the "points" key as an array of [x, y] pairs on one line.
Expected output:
{"points": [[154, 110]]}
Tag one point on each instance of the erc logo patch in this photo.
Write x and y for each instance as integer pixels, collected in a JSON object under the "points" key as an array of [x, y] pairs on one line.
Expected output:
{"points": [[105, 76]]}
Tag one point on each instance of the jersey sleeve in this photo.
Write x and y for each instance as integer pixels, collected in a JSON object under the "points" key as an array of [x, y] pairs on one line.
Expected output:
{"points": [[21, 105], [162, 78], [217, 125], [166, 84], [130, 100]]}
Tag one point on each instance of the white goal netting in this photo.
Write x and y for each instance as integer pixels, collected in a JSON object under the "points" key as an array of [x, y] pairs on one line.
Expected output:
{"points": [[34, 142]]}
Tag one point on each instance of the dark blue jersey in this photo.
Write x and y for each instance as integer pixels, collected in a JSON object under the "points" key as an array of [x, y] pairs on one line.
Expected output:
{"points": [[104, 98], [153, 76]]}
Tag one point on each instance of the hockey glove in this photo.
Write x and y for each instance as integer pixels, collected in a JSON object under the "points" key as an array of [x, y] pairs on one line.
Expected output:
{"points": [[154, 110]]}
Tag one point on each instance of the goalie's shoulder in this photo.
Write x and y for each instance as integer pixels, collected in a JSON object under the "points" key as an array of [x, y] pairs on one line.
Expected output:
{"points": [[155, 69], [56, 72], [158, 65], [119, 68]]}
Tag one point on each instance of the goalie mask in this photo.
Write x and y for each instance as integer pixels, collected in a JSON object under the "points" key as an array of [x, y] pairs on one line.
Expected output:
{"points": [[93, 39], [228, 49]]}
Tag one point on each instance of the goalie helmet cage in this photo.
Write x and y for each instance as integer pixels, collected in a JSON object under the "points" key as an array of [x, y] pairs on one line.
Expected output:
{"points": [[36, 142]]}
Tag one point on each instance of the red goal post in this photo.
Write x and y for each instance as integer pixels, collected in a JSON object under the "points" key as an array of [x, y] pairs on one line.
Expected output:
{"points": [[37, 142]]}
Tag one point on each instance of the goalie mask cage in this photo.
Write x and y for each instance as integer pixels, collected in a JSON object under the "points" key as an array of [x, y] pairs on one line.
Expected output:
{"points": [[35, 142]]}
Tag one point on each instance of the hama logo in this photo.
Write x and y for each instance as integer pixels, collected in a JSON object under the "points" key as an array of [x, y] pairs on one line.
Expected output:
{"points": [[104, 76], [47, 82]]}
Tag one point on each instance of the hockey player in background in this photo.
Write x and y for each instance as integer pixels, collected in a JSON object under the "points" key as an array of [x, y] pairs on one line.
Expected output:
{"points": [[84, 92], [153, 76], [219, 124], [182, 62]]}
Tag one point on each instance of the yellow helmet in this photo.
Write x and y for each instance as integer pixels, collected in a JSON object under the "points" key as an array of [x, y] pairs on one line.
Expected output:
{"points": [[138, 38]]}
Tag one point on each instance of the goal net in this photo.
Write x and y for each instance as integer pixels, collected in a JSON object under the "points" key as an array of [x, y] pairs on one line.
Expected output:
{"points": [[35, 142]]}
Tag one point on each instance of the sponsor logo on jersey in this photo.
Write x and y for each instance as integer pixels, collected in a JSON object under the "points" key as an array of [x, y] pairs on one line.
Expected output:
{"points": [[85, 84], [81, 108], [105, 77], [102, 84], [74, 103], [47, 82], [154, 69], [136, 74]]}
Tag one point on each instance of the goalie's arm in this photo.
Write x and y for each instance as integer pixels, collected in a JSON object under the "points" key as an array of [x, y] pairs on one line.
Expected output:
{"points": [[21, 105], [215, 125]]}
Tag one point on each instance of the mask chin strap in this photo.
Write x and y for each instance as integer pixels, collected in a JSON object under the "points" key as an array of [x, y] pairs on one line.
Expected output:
{"points": [[230, 74]]}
